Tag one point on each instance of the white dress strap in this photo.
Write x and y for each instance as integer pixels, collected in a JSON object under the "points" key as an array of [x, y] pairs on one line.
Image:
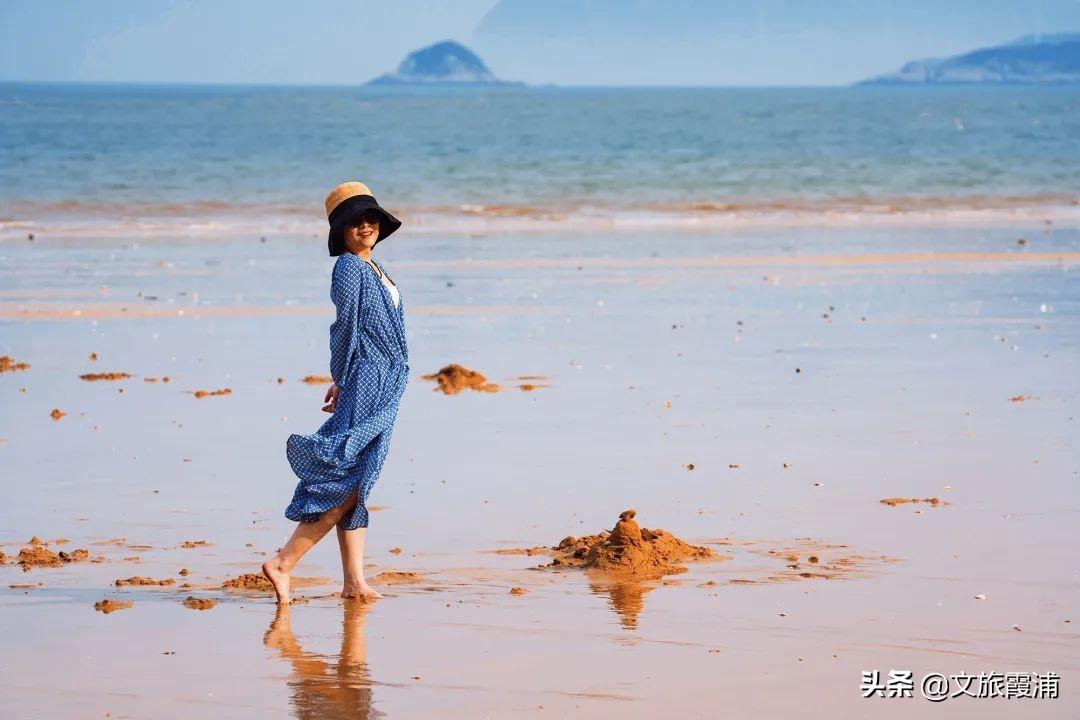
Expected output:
{"points": [[393, 290]]}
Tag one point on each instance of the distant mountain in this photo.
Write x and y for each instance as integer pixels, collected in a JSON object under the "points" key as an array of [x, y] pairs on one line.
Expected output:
{"points": [[746, 42], [444, 63], [1045, 60]]}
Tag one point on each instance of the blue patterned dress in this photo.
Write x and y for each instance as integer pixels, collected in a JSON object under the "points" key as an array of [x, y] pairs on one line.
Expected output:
{"points": [[369, 363]]}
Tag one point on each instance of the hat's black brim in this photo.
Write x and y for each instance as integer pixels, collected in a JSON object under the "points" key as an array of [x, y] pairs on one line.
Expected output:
{"points": [[348, 213]]}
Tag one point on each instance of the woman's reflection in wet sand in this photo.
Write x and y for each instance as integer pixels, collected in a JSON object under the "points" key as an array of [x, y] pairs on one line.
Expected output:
{"points": [[320, 687]]}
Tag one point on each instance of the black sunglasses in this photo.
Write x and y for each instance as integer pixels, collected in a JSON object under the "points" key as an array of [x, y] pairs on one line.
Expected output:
{"points": [[371, 217]]}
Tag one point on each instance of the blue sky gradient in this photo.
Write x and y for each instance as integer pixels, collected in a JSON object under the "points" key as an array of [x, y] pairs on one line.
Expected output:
{"points": [[570, 42]]}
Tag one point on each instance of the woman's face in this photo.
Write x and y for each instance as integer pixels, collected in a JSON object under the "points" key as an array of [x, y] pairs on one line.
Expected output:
{"points": [[364, 234]]}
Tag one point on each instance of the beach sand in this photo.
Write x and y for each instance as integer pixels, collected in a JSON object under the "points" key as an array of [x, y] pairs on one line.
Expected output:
{"points": [[758, 393]]}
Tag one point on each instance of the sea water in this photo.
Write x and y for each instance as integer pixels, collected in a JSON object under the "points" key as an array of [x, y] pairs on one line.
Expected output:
{"points": [[209, 156]]}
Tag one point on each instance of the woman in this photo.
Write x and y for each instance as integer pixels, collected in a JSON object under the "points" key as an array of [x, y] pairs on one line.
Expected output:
{"points": [[339, 464]]}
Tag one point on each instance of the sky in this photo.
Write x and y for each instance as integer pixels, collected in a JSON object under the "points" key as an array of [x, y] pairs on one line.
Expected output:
{"points": [[223, 41], [567, 42]]}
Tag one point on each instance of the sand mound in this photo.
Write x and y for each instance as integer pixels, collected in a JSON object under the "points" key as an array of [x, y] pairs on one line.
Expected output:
{"points": [[38, 556], [536, 550], [391, 577], [140, 580], [8, 364], [257, 581], [248, 581], [194, 603], [454, 378], [316, 379], [194, 544], [629, 550], [109, 605], [93, 377], [200, 394]]}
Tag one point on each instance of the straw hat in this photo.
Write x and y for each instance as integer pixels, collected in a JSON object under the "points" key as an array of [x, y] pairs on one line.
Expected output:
{"points": [[344, 206]]}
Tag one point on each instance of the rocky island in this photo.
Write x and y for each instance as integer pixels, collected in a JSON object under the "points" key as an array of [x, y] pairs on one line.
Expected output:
{"points": [[445, 63], [1035, 60]]}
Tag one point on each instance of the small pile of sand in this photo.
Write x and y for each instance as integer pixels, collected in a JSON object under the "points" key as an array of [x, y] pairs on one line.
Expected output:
{"points": [[248, 581], [140, 580], [92, 377], [530, 386], [3, 557], [109, 605], [259, 582], [194, 603], [454, 378], [894, 501], [316, 379], [200, 394], [536, 550], [194, 544], [8, 364], [808, 559], [37, 556], [391, 577], [629, 550]]}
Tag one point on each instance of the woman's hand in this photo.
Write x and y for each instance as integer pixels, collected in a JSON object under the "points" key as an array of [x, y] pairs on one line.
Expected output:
{"points": [[331, 398]]}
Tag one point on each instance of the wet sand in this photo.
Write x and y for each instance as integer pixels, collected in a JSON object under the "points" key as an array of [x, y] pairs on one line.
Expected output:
{"points": [[758, 394]]}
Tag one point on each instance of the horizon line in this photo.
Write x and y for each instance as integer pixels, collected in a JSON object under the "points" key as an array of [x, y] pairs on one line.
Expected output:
{"points": [[513, 85]]}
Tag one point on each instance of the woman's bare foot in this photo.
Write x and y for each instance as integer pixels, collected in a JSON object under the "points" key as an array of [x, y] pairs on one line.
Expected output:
{"points": [[278, 578], [359, 590]]}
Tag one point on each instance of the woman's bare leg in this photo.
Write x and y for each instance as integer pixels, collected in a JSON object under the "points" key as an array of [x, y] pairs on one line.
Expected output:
{"points": [[304, 537], [351, 543]]}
